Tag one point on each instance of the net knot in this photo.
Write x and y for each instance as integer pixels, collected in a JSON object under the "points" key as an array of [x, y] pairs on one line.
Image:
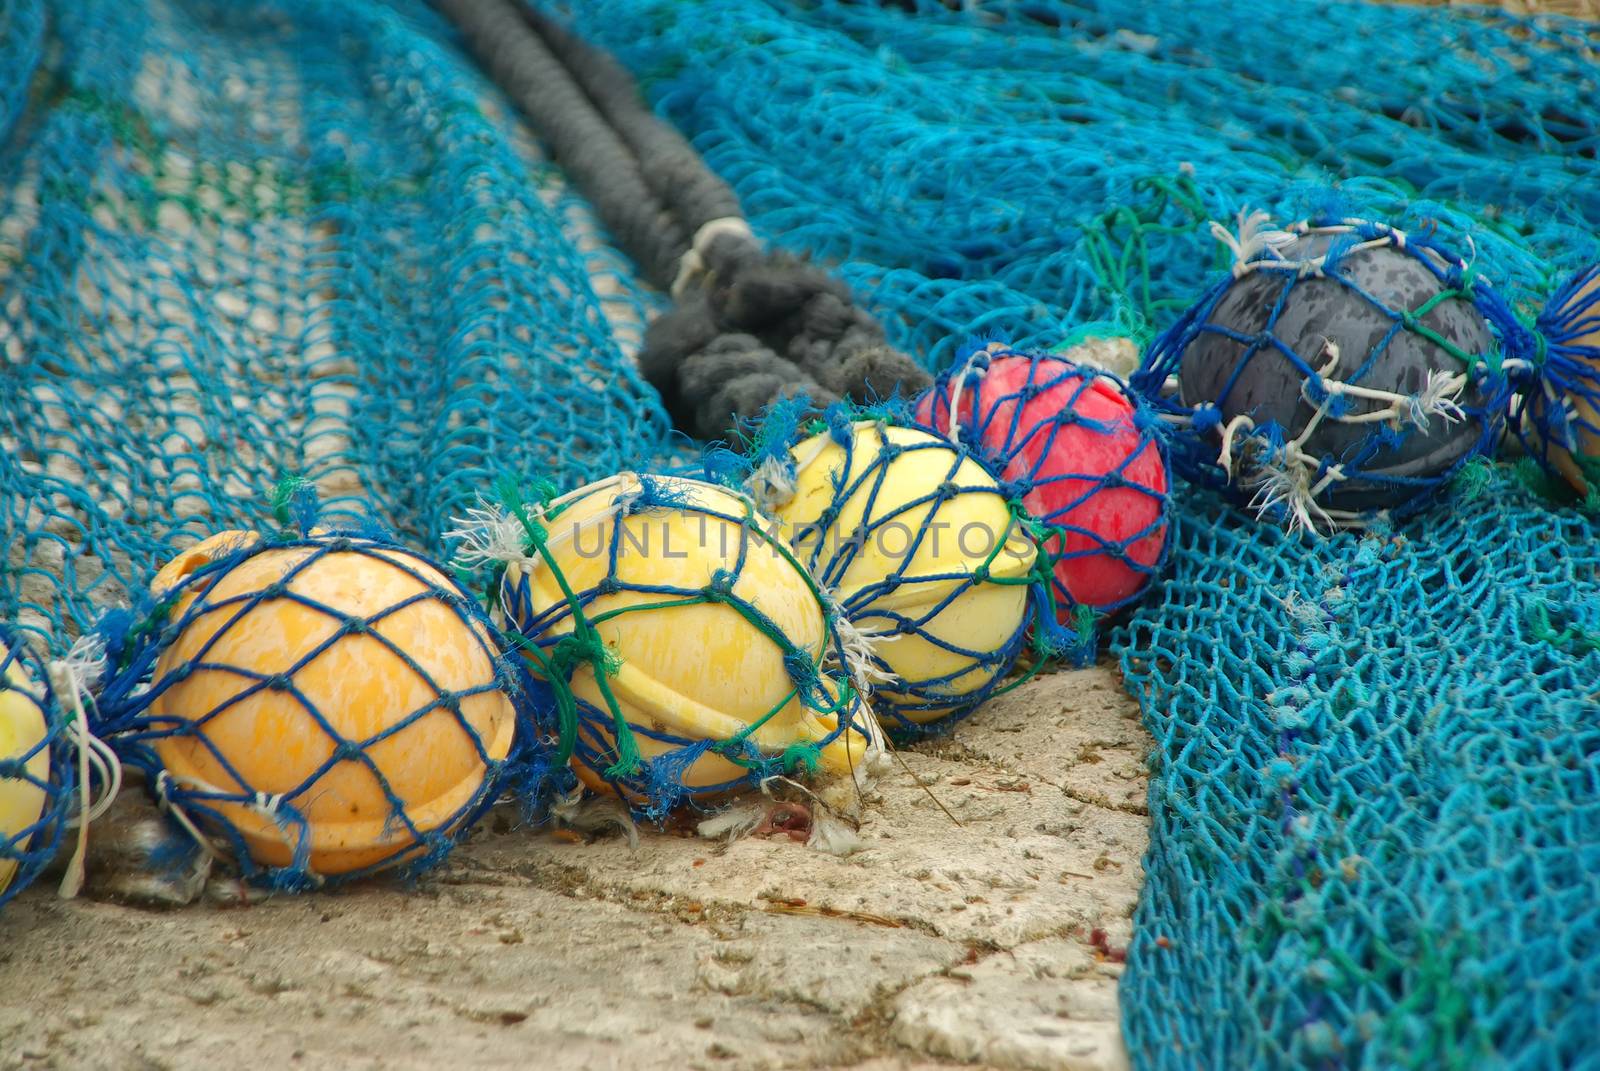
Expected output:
{"points": [[589, 649], [720, 587], [801, 669]]}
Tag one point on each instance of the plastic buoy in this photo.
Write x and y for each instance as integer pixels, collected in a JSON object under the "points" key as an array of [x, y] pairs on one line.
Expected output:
{"points": [[23, 732], [918, 543], [1562, 418], [702, 635], [1071, 437], [335, 684]]}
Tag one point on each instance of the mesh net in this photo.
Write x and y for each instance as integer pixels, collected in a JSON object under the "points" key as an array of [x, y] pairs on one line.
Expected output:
{"points": [[37, 776], [241, 240], [238, 239], [1346, 369], [1375, 815], [1560, 419], [931, 559], [1087, 458], [275, 692], [754, 684]]}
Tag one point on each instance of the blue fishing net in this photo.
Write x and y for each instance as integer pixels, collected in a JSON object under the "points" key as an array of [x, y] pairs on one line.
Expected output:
{"points": [[241, 238], [244, 240], [1376, 791]]}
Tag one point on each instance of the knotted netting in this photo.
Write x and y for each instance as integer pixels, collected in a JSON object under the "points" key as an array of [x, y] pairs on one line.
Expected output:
{"points": [[244, 240], [1376, 814], [1342, 370], [688, 652], [238, 239], [1087, 457], [37, 775], [315, 705], [931, 559], [1024, 168]]}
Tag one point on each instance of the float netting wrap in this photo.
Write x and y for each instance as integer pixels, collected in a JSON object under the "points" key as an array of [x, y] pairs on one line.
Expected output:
{"points": [[37, 775], [593, 595], [277, 690], [926, 552], [238, 239], [1315, 397]]}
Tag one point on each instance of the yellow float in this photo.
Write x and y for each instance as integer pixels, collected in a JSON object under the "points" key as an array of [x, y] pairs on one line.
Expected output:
{"points": [[23, 730], [920, 547], [693, 608], [366, 636]]}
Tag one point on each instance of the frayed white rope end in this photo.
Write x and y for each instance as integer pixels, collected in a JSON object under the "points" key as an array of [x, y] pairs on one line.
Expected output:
{"points": [[772, 483], [835, 837], [1440, 397], [489, 535], [1254, 236], [73, 677]]}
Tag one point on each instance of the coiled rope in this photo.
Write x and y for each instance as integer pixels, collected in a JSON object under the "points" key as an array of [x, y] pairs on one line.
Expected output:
{"points": [[750, 325]]}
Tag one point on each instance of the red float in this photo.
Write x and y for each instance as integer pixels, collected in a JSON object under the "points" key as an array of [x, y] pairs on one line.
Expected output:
{"points": [[1069, 434]]}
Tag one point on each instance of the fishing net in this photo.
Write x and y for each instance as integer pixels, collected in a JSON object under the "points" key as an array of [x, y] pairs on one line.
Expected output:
{"points": [[276, 691], [36, 767], [931, 559], [688, 652], [1343, 370], [238, 239], [243, 240]]}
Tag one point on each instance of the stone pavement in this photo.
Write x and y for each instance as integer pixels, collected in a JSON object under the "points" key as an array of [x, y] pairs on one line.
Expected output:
{"points": [[994, 943]]}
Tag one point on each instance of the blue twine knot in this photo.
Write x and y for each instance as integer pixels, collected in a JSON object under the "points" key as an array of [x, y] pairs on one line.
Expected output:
{"points": [[720, 588], [1206, 417], [802, 671]]}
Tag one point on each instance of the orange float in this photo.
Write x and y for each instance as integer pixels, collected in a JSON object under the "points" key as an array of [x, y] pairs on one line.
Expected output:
{"points": [[301, 675]]}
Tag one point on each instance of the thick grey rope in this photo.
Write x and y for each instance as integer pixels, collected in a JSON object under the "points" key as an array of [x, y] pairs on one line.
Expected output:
{"points": [[750, 325]]}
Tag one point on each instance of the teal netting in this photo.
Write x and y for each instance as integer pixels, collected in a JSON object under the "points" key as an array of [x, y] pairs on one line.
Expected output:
{"points": [[240, 238]]}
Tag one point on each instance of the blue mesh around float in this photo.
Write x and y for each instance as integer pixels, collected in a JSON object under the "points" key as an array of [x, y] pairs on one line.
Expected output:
{"points": [[1559, 421], [276, 689], [1343, 371], [37, 775], [932, 559], [1088, 458], [662, 743]]}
